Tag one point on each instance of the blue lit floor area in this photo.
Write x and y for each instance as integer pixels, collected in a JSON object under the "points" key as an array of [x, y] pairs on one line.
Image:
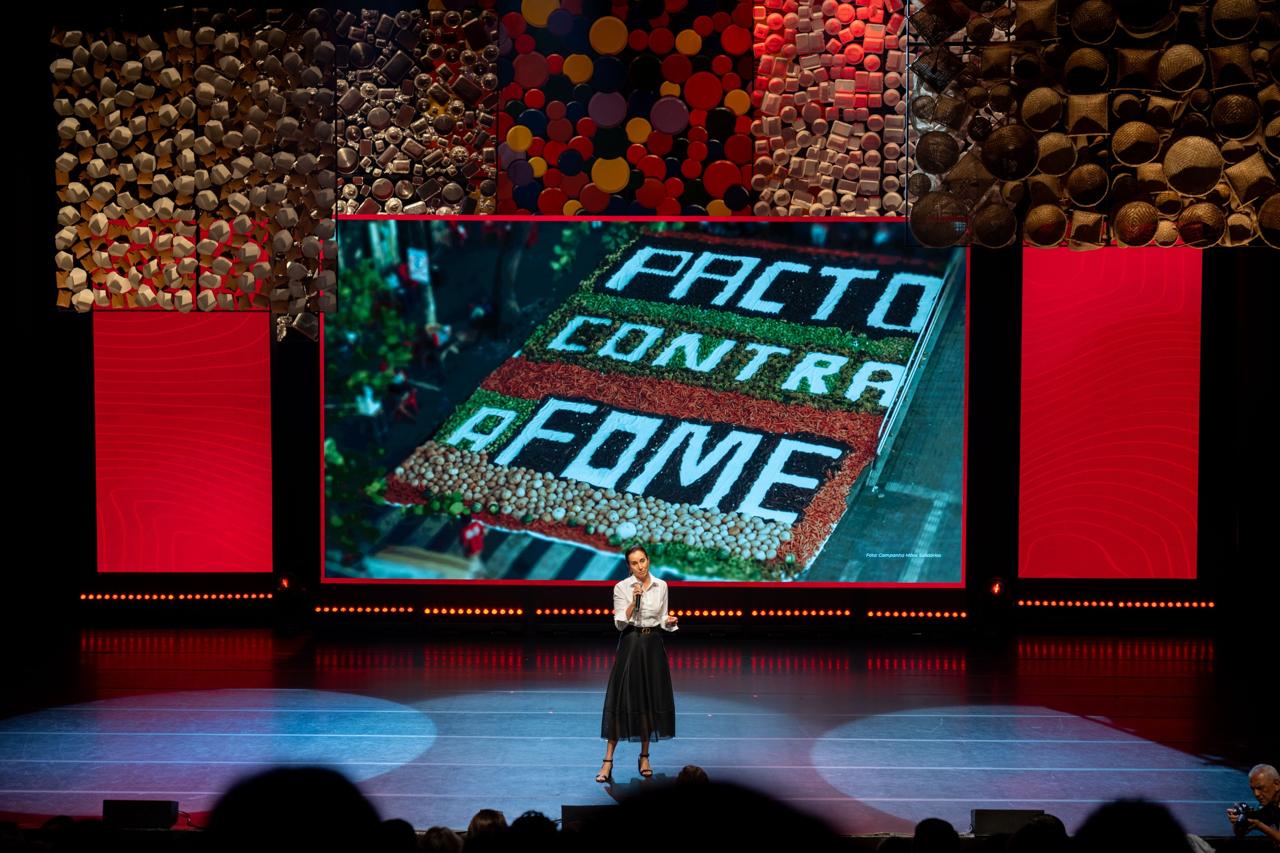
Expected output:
{"points": [[872, 738]]}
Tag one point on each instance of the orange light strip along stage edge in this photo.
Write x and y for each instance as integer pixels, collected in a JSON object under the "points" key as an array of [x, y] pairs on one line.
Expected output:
{"points": [[372, 610], [578, 612], [117, 597], [1111, 603]]}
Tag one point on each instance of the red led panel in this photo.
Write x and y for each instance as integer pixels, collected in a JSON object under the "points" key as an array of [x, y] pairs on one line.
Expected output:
{"points": [[182, 435], [1110, 413]]}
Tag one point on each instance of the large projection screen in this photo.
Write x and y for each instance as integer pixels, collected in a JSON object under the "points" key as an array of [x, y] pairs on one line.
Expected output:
{"points": [[767, 403]]}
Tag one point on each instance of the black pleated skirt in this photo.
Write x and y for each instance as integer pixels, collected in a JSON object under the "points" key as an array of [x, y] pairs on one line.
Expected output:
{"points": [[639, 702]]}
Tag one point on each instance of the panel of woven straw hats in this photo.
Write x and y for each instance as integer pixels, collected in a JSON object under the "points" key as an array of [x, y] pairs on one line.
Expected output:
{"points": [[1093, 122]]}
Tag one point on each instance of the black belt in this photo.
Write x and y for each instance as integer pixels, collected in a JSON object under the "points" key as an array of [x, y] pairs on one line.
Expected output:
{"points": [[637, 629]]}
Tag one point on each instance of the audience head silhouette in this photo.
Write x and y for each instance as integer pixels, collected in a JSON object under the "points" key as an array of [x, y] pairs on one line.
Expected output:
{"points": [[935, 835], [1128, 825], [710, 816], [440, 839], [486, 832], [692, 774], [300, 808], [1042, 834]]}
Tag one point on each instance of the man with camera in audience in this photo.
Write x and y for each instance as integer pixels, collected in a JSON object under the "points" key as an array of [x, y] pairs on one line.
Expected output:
{"points": [[1265, 782]]}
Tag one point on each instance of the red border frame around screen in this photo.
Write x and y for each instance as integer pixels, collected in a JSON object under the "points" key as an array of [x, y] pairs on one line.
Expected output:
{"points": [[513, 584]]}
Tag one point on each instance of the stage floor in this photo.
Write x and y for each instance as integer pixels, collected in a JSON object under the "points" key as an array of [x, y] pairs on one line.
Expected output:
{"points": [[872, 735]]}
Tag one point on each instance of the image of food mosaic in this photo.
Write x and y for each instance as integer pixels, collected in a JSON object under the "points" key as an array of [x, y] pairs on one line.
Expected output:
{"points": [[719, 398]]}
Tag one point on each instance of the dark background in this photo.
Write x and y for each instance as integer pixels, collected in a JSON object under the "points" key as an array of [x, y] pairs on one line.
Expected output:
{"points": [[52, 519]]}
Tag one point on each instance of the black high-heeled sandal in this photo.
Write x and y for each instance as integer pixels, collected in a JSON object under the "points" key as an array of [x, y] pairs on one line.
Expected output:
{"points": [[645, 773], [606, 777]]}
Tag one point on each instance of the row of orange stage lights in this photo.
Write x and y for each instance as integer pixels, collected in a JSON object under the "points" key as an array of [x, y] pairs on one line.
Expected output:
{"points": [[176, 596], [597, 611], [604, 611], [1104, 603]]}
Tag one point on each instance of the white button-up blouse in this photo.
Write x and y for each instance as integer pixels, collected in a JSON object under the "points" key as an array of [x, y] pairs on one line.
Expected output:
{"points": [[653, 605]]}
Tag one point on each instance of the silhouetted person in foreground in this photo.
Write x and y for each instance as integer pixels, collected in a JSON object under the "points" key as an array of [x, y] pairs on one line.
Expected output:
{"points": [[397, 836], [692, 774], [1126, 826], [935, 835], [440, 839], [1042, 834], [294, 808], [486, 832], [533, 831], [716, 816]]}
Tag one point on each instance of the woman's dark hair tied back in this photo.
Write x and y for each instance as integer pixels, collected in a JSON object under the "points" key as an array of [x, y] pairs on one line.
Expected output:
{"points": [[627, 554]]}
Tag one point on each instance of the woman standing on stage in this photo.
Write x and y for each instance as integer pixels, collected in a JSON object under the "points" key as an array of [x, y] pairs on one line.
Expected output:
{"points": [[639, 703]]}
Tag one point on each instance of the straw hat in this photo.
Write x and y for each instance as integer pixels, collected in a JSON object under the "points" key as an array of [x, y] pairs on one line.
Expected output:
{"points": [[936, 152], [1126, 187], [979, 128], [1250, 179], [939, 219], [968, 179], [1057, 154], [1043, 189], [1088, 229], [1166, 233], [1041, 109], [1235, 116], [1232, 65], [1144, 18], [1045, 225], [1135, 223], [976, 97], [1168, 202], [950, 112], [1241, 229], [922, 107], [1181, 68], [1234, 19], [1127, 106], [1135, 143], [1093, 22], [1010, 152], [1271, 137], [1003, 98], [1150, 179], [1086, 70], [918, 184], [1192, 165], [1165, 112], [1202, 225], [1269, 221], [1035, 20], [1137, 69], [1086, 114], [994, 226], [1087, 185]]}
